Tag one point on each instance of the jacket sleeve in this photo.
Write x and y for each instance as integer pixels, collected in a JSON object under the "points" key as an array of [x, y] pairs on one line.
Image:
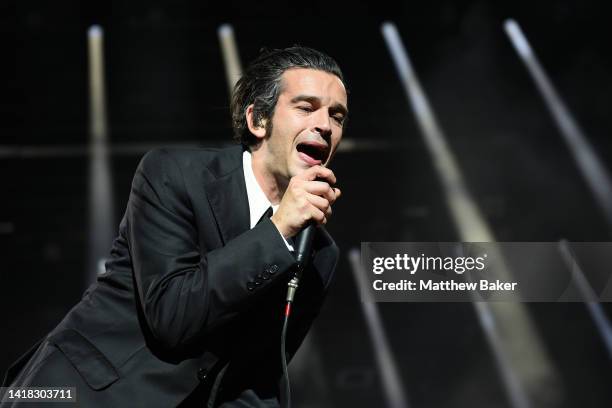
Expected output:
{"points": [[261, 386], [182, 291]]}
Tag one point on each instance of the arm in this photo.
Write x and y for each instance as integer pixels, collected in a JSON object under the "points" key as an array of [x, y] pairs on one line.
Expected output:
{"points": [[255, 372], [184, 292]]}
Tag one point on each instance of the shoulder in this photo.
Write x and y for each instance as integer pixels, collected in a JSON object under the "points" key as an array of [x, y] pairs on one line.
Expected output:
{"points": [[167, 161], [182, 156]]}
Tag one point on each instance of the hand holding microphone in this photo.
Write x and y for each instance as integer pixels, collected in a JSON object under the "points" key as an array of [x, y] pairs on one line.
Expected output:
{"points": [[306, 203], [307, 200]]}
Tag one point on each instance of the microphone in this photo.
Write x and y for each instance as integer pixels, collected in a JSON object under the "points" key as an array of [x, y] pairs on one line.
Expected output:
{"points": [[303, 243], [304, 247]]}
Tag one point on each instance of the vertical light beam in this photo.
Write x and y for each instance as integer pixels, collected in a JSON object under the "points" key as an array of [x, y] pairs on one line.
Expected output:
{"points": [[233, 68], [526, 371], [391, 380], [588, 162], [101, 222]]}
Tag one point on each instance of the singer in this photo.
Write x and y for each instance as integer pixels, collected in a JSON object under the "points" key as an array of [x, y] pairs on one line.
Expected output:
{"points": [[189, 310]]}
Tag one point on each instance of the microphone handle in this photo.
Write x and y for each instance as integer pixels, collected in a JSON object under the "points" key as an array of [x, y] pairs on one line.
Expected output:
{"points": [[304, 246]]}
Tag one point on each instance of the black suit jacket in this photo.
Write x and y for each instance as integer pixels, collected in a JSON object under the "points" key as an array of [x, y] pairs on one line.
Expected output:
{"points": [[189, 289]]}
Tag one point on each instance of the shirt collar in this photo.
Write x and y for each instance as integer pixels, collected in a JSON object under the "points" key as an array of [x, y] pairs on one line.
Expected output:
{"points": [[258, 202]]}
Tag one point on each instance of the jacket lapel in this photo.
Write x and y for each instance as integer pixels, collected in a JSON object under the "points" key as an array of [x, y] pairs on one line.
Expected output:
{"points": [[227, 193]]}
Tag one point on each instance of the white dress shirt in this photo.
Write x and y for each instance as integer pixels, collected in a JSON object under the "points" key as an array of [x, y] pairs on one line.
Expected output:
{"points": [[258, 202]]}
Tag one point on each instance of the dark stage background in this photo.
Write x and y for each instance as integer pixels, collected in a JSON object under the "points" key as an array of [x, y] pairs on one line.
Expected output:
{"points": [[166, 85]]}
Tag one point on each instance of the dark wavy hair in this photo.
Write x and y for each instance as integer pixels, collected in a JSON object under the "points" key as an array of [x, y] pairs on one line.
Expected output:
{"points": [[261, 85]]}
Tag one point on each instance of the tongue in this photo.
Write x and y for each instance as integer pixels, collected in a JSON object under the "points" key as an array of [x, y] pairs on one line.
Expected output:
{"points": [[308, 159]]}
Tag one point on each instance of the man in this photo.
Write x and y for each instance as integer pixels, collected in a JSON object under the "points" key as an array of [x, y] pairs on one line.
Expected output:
{"points": [[189, 311]]}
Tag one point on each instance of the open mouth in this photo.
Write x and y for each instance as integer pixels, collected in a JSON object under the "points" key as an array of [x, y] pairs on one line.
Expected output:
{"points": [[313, 153]]}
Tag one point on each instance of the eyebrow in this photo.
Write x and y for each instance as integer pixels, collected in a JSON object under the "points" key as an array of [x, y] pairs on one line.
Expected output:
{"points": [[337, 107]]}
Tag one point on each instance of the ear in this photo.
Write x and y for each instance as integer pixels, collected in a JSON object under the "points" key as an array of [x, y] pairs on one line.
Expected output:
{"points": [[259, 131]]}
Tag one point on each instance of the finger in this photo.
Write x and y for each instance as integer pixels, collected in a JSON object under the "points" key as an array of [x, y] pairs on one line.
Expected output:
{"points": [[319, 216], [337, 192], [320, 172], [320, 188], [318, 202], [328, 213]]}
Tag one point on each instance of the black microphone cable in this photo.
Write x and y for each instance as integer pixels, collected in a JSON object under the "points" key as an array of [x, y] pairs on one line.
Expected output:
{"points": [[303, 252]]}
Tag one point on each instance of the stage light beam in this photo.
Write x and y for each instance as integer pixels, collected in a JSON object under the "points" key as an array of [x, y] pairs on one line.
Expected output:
{"points": [[101, 219], [527, 373]]}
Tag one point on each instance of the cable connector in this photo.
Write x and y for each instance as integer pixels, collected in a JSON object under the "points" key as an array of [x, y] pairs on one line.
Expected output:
{"points": [[291, 288]]}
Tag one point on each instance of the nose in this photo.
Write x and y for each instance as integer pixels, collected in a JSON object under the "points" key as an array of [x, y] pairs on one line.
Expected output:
{"points": [[322, 124]]}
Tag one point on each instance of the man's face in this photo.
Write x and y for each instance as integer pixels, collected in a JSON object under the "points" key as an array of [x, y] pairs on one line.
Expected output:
{"points": [[307, 121]]}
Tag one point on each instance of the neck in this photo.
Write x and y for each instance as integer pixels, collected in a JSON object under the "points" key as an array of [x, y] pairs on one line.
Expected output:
{"points": [[273, 185]]}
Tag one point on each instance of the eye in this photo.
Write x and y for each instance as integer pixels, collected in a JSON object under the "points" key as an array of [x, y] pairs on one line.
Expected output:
{"points": [[339, 119], [305, 108]]}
